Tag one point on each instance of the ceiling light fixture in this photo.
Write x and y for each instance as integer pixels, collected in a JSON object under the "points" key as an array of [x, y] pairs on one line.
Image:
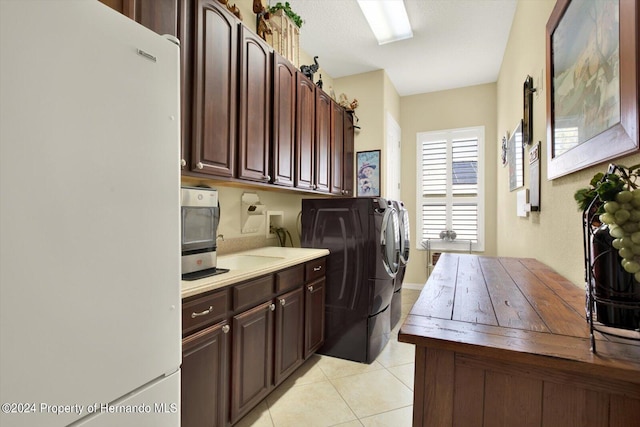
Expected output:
{"points": [[388, 19]]}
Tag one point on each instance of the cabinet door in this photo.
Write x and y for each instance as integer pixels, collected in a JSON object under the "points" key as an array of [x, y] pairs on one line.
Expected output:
{"points": [[255, 107], [289, 334], [215, 90], [314, 316], [284, 119], [205, 377], [347, 157], [337, 148], [323, 141], [305, 132], [252, 360]]}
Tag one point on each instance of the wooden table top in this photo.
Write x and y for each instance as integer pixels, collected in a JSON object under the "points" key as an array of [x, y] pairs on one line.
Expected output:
{"points": [[515, 309]]}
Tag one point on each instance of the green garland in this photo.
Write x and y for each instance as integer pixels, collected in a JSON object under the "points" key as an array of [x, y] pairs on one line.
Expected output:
{"points": [[287, 11]]}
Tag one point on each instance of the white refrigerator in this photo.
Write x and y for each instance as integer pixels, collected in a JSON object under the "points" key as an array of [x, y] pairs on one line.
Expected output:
{"points": [[89, 218]]}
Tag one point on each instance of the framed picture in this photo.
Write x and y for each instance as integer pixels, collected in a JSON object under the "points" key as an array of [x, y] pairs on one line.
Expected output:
{"points": [[527, 110], [368, 169], [592, 81], [515, 154]]}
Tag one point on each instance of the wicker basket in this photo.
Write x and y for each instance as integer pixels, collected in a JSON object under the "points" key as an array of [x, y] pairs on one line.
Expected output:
{"points": [[284, 37]]}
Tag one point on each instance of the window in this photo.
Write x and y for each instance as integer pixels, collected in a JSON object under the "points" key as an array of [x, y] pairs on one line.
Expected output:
{"points": [[450, 189]]}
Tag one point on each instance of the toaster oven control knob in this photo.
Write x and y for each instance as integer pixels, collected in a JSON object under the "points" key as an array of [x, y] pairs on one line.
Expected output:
{"points": [[200, 165], [272, 307], [226, 329]]}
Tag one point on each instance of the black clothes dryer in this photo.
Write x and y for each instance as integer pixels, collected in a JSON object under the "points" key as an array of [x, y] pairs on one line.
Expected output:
{"points": [[363, 238]]}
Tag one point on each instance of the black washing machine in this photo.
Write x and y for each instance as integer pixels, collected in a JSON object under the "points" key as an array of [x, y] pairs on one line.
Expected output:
{"points": [[363, 239]]}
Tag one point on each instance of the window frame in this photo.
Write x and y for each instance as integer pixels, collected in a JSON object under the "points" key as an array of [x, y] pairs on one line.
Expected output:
{"points": [[474, 132]]}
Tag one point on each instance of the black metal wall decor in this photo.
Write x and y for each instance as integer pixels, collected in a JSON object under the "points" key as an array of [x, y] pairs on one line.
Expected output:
{"points": [[527, 118]]}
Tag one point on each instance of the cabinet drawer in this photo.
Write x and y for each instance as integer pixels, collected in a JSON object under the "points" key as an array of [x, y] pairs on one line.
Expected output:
{"points": [[289, 278], [204, 311], [315, 269], [251, 293]]}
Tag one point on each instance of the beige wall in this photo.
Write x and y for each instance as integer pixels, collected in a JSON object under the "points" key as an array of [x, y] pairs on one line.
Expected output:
{"points": [[450, 109], [554, 235]]}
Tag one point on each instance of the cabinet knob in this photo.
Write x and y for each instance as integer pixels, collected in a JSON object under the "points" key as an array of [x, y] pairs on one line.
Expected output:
{"points": [[315, 187], [226, 329], [183, 163], [202, 313], [200, 165], [267, 177], [310, 287], [282, 301], [272, 307]]}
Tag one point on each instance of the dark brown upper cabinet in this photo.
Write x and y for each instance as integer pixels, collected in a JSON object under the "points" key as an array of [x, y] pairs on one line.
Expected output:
{"points": [[284, 119], [324, 129], [347, 154], [254, 124], [305, 132], [337, 148], [215, 90]]}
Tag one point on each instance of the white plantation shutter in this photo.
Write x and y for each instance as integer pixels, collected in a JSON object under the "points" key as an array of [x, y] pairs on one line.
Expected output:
{"points": [[450, 187]]}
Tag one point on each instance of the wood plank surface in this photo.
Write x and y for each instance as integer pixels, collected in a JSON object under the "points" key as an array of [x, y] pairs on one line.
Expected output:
{"points": [[512, 309], [556, 314], [617, 360], [516, 401], [472, 302], [569, 406], [439, 378], [468, 399], [436, 298]]}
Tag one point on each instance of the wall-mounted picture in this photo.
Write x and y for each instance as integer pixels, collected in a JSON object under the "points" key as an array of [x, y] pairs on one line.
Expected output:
{"points": [[368, 169], [592, 101], [516, 159]]}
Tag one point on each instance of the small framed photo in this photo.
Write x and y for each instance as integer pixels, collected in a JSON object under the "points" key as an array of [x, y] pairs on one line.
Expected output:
{"points": [[368, 170]]}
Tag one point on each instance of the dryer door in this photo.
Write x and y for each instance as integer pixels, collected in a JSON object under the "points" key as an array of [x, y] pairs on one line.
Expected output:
{"points": [[405, 239], [390, 241]]}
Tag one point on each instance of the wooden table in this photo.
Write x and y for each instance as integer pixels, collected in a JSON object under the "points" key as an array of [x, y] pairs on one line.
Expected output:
{"points": [[504, 342]]}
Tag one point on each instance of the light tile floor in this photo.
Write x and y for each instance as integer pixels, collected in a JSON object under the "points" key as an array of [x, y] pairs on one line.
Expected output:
{"points": [[327, 391]]}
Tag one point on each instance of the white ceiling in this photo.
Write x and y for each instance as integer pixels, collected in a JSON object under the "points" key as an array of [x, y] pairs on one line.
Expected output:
{"points": [[456, 43]]}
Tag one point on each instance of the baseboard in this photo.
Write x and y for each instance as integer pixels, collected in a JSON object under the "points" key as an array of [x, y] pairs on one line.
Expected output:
{"points": [[414, 286]]}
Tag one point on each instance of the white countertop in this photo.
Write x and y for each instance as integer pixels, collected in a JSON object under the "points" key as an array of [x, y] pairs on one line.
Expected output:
{"points": [[246, 265]]}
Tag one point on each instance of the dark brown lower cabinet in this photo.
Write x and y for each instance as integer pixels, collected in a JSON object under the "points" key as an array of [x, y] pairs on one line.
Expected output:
{"points": [[249, 337], [252, 358], [205, 377], [314, 316], [289, 334]]}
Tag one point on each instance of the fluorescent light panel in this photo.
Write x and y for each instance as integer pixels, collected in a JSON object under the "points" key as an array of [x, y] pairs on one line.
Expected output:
{"points": [[387, 18]]}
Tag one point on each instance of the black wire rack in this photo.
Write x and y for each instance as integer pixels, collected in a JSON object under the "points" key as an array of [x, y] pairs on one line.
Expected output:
{"points": [[612, 294]]}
